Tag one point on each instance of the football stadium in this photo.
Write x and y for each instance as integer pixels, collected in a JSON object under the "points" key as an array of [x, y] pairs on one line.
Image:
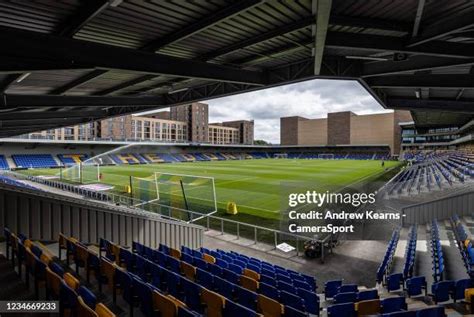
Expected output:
{"points": [[121, 195]]}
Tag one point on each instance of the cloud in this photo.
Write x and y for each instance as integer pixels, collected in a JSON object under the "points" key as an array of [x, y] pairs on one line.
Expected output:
{"points": [[312, 99]]}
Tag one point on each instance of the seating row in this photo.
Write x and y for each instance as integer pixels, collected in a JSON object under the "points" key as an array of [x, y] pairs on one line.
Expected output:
{"points": [[385, 266], [436, 252], [75, 299]]}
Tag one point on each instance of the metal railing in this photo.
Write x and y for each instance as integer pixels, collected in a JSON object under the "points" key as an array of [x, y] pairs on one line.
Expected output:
{"points": [[254, 233]]}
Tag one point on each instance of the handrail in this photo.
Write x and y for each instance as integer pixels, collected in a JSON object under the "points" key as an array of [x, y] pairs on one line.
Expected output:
{"points": [[132, 203]]}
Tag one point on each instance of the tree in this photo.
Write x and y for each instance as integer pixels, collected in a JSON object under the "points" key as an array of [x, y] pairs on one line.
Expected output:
{"points": [[261, 142]]}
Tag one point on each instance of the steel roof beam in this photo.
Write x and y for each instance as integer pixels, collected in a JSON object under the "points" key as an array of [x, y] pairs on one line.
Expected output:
{"points": [[413, 64], [438, 81], [445, 26], [79, 81], [32, 48], [9, 79], [89, 10], [419, 13], [124, 85], [40, 115], [323, 11], [431, 105], [202, 24], [20, 100]]}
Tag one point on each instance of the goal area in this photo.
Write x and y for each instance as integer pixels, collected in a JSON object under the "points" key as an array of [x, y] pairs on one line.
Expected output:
{"points": [[326, 156], [280, 155], [84, 173]]}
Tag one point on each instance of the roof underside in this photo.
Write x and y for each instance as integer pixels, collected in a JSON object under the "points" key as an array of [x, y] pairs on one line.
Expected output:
{"points": [[67, 62]]}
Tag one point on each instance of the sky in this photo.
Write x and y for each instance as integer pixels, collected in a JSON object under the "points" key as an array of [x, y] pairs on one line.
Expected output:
{"points": [[310, 99]]}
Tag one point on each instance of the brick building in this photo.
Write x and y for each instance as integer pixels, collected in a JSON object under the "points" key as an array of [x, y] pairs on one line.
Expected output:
{"points": [[345, 128], [185, 123]]}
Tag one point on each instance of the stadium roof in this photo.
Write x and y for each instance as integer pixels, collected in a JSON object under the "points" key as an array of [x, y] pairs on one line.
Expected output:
{"points": [[67, 62]]}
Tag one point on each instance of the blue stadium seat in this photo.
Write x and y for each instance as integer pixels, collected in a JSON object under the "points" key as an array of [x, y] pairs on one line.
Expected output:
{"points": [[415, 285], [224, 287], [331, 288], [347, 288], [292, 312], [205, 278], [442, 290], [341, 310], [437, 311], [34, 160], [233, 309], [246, 297], [401, 314], [459, 288], [87, 296], [311, 301], [350, 297], [192, 294], [393, 304], [367, 295], [394, 282], [3, 163], [231, 276], [269, 291], [289, 299], [144, 294]]}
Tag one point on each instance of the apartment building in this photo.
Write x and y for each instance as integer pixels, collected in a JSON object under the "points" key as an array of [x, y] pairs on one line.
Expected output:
{"points": [[185, 123]]}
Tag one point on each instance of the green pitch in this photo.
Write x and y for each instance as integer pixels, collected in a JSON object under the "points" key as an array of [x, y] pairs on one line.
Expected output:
{"points": [[257, 186]]}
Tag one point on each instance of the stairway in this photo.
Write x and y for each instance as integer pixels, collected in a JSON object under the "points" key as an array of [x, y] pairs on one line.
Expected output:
{"points": [[11, 285], [10, 161]]}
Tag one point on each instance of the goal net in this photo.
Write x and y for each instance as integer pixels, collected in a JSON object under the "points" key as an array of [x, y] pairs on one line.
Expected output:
{"points": [[280, 155], [175, 195], [84, 173], [327, 156]]}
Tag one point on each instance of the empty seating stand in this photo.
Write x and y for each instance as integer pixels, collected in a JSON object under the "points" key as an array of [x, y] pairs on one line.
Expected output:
{"points": [[34, 160], [3, 163], [71, 159], [386, 265], [436, 252]]}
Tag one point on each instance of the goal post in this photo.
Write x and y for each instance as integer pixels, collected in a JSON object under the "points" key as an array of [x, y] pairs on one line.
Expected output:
{"points": [[186, 192], [83, 173], [280, 155], [326, 156]]}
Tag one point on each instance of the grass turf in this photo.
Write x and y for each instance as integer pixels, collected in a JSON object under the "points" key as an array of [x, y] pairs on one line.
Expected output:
{"points": [[257, 186]]}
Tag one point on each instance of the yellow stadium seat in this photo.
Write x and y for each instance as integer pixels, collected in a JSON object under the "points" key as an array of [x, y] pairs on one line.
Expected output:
{"points": [[116, 252], [45, 250], [103, 311], [269, 307], [108, 270], [28, 243], [45, 258], [248, 283], [214, 303], [82, 253], [368, 307], [53, 283], [188, 270], [71, 281], [83, 310], [175, 253], [209, 258], [62, 241], [468, 294], [165, 305], [251, 274], [176, 301]]}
